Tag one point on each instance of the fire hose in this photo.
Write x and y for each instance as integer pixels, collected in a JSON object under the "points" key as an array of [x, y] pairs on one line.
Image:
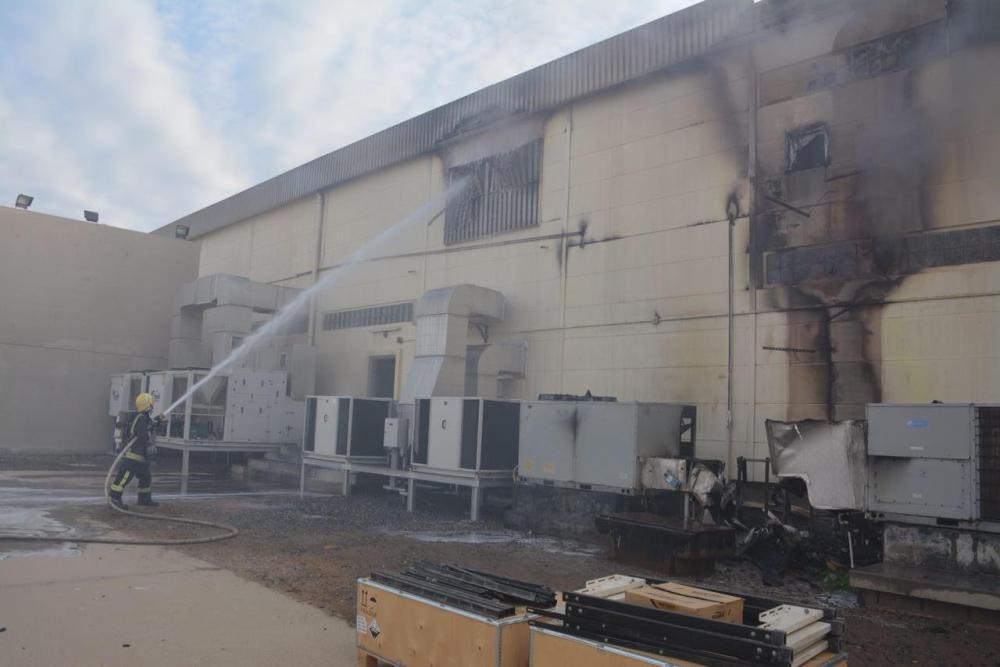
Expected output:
{"points": [[229, 531]]}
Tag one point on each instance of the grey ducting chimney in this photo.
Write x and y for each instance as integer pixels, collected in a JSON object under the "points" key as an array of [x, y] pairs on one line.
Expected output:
{"points": [[443, 317]]}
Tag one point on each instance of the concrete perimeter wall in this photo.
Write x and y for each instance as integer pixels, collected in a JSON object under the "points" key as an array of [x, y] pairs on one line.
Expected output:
{"points": [[78, 303]]}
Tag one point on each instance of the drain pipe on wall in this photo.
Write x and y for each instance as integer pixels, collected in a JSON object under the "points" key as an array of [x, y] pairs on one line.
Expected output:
{"points": [[732, 210], [321, 205]]}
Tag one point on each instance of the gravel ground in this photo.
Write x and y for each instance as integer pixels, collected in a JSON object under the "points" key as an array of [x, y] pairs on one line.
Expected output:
{"points": [[315, 548]]}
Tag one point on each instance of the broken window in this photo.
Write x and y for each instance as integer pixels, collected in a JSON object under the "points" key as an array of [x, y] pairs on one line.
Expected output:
{"points": [[500, 195], [807, 148]]}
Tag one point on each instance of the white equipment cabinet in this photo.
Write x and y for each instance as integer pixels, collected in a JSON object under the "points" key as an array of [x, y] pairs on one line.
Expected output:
{"points": [[466, 436], [346, 428], [125, 387]]}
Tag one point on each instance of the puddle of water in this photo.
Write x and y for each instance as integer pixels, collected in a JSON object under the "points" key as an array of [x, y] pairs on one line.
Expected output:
{"points": [[31, 522], [546, 544]]}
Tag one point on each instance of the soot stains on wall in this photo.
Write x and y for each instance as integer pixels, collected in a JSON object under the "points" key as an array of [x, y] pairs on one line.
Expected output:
{"points": [[840, 247]]}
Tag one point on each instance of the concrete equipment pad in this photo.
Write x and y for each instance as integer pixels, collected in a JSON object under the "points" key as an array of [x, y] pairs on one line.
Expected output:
{"points": [[125, 605], [942, 593]]}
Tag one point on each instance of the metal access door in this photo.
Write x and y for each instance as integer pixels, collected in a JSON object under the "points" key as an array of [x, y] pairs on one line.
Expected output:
{"points": [[445, 434], [326, 426]]}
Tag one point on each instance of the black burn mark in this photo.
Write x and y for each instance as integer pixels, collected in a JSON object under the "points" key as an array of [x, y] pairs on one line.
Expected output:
{"points": [[574, 423], [870, 193]]}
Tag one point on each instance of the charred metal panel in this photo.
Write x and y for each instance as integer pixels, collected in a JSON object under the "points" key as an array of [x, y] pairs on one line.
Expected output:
{"points": [[883, 257], [829, 457], [889, 53]]}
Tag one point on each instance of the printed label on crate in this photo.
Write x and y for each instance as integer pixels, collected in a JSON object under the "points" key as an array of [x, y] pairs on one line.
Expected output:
{"points": [[362, 624], [373, 629]]}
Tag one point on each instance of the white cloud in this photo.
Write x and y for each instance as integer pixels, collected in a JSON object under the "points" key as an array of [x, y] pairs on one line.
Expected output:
{"points": [[146, 112]]}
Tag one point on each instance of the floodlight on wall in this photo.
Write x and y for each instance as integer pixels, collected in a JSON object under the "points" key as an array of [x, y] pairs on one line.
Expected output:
{"points": [[181, 231], [23, 201], [90, 216]]}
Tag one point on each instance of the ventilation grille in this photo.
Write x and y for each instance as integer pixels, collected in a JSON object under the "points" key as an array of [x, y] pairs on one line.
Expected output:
{"points": [[500, 195], [989, 462], [368, 317]]}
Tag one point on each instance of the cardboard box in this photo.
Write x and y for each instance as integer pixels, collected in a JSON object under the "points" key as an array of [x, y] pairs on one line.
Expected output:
{"points": [[683, 599]]}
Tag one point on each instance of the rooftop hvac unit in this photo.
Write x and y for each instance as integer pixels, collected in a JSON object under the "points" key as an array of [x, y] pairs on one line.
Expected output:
{"points": [[124, 389], [345, 428], [938, 461], [600, 445], [466, 436], [244, 406]]}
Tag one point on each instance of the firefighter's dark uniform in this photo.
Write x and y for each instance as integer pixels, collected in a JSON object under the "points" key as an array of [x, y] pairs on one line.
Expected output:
{"points": [[135, 463]]}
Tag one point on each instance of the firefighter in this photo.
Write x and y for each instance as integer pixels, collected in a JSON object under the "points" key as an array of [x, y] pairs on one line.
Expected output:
{"points": [[136, 461]]}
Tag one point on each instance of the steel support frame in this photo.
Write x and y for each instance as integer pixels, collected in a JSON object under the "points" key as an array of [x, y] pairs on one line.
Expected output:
{"points": [[477, 484], [185, 447]]}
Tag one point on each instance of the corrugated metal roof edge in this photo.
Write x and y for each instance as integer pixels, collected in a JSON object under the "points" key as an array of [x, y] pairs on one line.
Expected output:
{"points": [[653, 46]]}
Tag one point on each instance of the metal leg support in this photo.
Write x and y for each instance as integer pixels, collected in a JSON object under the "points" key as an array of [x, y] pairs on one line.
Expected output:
{"points": [[302, 480], [347, 483], [411, 494], [185, 469], [476, 501]]}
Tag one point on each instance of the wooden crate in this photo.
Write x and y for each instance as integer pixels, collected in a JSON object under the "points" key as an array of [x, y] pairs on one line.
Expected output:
{"points": [[404, 629], [553, 649]]}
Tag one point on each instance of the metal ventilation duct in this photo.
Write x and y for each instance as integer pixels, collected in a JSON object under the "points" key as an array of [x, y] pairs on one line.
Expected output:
{"points": [[443, 317]]}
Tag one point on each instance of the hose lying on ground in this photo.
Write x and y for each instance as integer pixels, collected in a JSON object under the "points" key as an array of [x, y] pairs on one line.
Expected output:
{"points": [[230, 531]]}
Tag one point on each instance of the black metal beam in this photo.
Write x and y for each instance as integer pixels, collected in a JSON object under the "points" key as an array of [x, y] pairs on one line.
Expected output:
{"points": [[449, 595], [772, 637], [621, 623]]}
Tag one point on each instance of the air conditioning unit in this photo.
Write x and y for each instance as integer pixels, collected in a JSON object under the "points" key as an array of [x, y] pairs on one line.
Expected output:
{"points": [[124, 389], [466, 436], [346, 428], [242, 406], [600, 445], [938, 461]]}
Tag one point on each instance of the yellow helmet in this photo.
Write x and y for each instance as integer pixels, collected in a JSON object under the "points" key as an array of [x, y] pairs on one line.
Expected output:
{"points": [[144, 402]]}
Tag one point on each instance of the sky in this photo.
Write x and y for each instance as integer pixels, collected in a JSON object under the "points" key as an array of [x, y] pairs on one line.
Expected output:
{"points": [[145, 111]]}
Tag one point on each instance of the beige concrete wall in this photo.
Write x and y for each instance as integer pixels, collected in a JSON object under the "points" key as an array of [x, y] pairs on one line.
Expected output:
{"points": [[642, 175], [78, 303]]}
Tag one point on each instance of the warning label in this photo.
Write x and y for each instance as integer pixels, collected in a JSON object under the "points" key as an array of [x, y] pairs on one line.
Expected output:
{"points": [[362, 624]]}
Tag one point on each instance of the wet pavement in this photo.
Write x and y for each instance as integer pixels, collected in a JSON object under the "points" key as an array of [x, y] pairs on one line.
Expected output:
{"points": [[126, 605], [49, 503]]}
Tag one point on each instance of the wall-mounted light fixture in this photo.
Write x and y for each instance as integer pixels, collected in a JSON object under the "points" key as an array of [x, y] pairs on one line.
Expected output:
{"points": [[23, 201]]}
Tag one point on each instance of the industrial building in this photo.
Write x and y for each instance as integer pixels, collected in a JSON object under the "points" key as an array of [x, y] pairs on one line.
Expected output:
{"points": [[775, 210], [751, 241]]}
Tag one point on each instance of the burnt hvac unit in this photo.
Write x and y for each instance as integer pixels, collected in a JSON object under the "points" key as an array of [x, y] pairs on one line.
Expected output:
{"points": [[938, 461], [346, 428], [600, 445], [466, 436]]}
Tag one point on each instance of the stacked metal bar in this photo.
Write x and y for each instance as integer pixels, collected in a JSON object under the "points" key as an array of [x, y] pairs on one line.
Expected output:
{"points": [[665, 633], [472, 590]]}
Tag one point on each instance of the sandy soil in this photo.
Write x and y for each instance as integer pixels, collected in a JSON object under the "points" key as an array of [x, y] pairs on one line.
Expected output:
{"points": [[315, 548]]}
